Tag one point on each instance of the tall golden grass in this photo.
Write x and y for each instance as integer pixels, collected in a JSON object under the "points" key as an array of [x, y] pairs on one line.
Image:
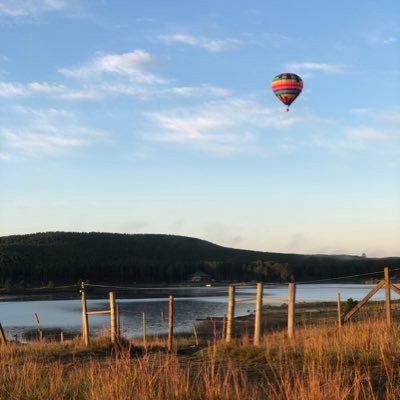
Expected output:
{"points": [[361, 361]]}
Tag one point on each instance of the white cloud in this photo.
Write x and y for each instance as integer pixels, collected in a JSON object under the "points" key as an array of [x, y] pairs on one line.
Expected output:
{"points": [[8, 89], [110, 75], [336, 143], [390, 40], [221, 127], [134, 66], [36, 142], [213, 45], [24, 8], [105, 89], [384, 37], [45, 87], [5, 157], [46, 132], [319, 67], [391, 115], [200, 90], [369, 134], [84, 93], [359, 110]]}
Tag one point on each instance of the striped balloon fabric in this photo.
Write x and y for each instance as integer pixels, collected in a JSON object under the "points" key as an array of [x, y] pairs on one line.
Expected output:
{"points": [[287, 87]]}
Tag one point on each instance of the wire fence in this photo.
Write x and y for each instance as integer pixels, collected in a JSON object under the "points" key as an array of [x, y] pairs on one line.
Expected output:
{"points": [[133, 312]]}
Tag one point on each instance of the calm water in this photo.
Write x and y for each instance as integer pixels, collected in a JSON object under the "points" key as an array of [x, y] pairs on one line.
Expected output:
{"points": [[191, 304]]}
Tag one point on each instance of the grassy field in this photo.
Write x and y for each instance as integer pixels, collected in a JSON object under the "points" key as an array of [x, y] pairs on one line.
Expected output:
{"points": [[360, 361]]}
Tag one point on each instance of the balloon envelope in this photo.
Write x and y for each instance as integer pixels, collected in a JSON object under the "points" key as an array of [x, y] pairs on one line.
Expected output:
{"points": [[287, 87]]}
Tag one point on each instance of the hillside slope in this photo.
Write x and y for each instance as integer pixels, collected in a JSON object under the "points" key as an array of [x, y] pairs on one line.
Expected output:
{"points": [[64, 257]]}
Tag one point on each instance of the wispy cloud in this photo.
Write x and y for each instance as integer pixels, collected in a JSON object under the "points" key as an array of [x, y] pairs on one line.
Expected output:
{"points": [[5, 157], [40, 142], [213, 45], [11, 89], [8, 89], [199, 90], [369, 134], [316, 67], [45, 87], [359, 110], [46, 132], [387, 117], [357, 139], [107, 88], [391, 116], [111, 75], [220, 127], [386, 36], [135, 66], [24, 8], [390, 40]]}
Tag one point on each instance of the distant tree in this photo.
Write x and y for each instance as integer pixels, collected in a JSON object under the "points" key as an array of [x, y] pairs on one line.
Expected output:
{"points": [[351, 303], [8, 284]]}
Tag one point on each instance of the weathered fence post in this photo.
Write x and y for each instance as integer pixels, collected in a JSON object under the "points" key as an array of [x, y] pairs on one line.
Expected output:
{"points": [[257, 319], [36, 316], [85, 322], [171, 323], [113, 318], [62, 337], [291, 304], [3, 339], [231, 313], [387, 297], [118, 323], [339, 311], [195, 335], [223, 329], [144, 330]]}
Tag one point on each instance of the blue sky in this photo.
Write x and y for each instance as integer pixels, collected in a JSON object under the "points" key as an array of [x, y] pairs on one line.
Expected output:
{"points": [[158, 117]]}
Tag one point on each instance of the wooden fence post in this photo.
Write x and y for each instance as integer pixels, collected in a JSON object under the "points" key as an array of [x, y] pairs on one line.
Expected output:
{"points": [[363, 301], [144, 330], [118, 322], [291, 305], [85, 321], [36, 316], [257, 319], [171, 323], [223, 329], [62, 337], [3, 339], [113, 318], [195, 335], [339, 311], [387, 297], [231, 312]]}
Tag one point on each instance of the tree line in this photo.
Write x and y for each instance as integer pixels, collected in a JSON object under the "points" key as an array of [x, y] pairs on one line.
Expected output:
{"points": [[54, 258]]}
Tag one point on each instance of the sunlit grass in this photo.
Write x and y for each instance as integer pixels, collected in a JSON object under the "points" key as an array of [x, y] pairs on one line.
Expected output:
{"points": [[361, 361]]}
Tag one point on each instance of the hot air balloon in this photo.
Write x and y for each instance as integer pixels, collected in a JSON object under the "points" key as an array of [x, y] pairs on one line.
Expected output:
{"points": [[287, 87]]}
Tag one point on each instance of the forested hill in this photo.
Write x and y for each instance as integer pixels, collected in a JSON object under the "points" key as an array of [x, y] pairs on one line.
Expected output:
{"points": [[61, 257]]}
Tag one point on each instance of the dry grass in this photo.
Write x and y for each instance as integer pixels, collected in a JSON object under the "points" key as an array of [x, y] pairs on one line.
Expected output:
{"points": [[362, 361]]}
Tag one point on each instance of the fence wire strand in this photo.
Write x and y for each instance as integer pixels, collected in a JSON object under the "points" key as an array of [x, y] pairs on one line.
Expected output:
{"points": [[266, 283]]}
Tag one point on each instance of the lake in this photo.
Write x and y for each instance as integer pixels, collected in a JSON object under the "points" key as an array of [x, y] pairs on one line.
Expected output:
{"points": [[191, 304]]}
